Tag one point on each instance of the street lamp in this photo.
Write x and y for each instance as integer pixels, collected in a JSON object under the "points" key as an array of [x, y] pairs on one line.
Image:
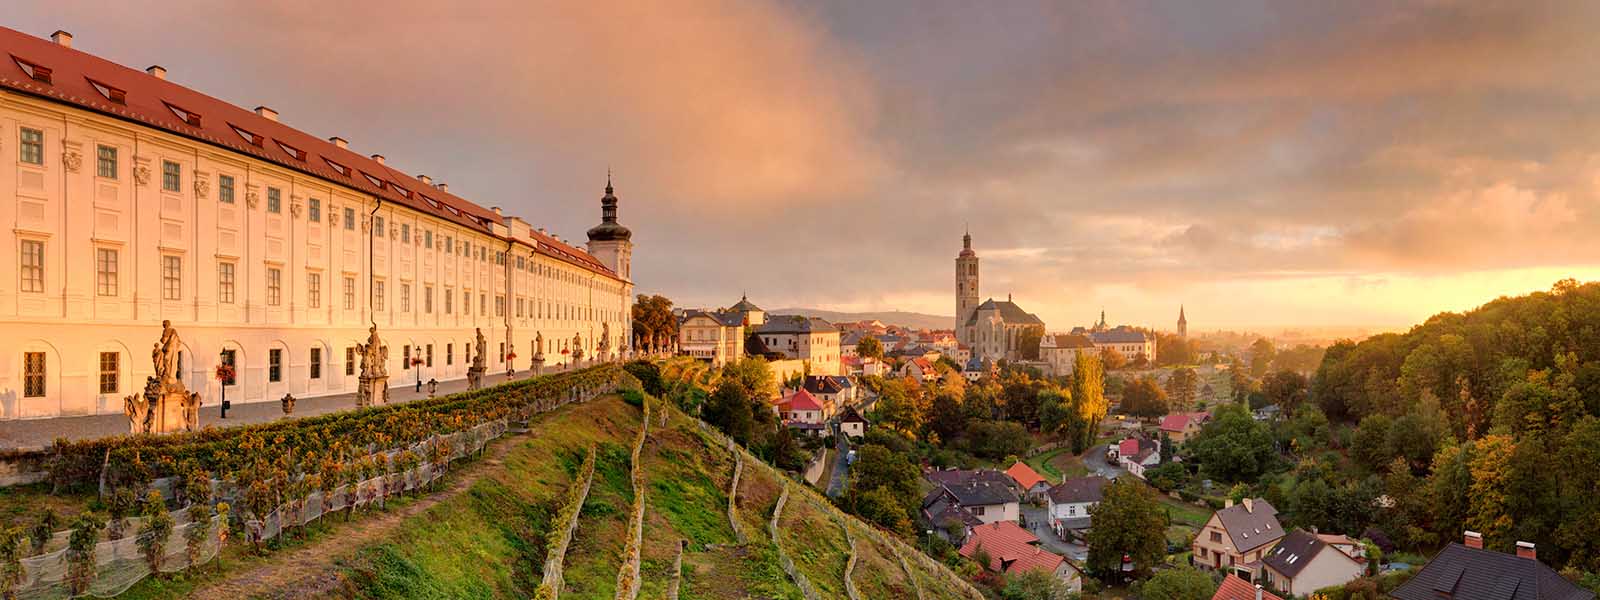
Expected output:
{"points": [[224, 377]]}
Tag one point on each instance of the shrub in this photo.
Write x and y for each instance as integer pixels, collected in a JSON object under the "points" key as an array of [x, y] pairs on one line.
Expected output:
{"points": [[10, 560], [80, 552], [154, 531], [43, 529]]}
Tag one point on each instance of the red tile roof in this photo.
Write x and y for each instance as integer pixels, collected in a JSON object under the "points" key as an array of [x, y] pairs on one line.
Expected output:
{"points": [[801, 400], [1010, 548], [1178, 422], [76, 78], [1128, 447], [1024, 475], [1234, 588]]}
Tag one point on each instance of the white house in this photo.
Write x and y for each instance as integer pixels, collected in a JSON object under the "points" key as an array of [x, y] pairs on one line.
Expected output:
{"points": [[1068, 503], [1302, 562]]}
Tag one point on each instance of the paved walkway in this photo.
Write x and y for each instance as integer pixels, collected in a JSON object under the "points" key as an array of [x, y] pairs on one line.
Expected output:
{"points": [[841, 468], [37, 433], [1095, 459]]}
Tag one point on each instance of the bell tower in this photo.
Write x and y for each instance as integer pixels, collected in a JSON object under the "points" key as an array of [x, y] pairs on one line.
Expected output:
{"points": [[966, 288], [609, 241]]}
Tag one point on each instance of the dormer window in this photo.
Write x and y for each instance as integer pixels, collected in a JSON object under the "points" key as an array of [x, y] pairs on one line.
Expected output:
{"points": [[343, 170], [255, 139], [297, 153], [37, 72], [113, 94], [403, 191], [431, 201], [187, 116], [376, 182]]}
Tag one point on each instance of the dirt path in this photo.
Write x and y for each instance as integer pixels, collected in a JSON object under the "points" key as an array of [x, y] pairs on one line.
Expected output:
{"points": [[310, 571]]}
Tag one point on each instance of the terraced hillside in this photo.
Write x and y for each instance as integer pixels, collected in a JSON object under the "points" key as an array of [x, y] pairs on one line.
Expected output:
{"points": [[492, 540]]}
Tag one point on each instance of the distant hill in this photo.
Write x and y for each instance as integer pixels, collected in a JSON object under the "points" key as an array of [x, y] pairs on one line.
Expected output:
{"points": [[890, 317]]}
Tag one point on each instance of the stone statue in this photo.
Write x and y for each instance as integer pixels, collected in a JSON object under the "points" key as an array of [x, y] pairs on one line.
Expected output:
{"points": [[605, 337], [373, 354], [480, 349], [538, 344], [191, 412], [166, 354], [138, 409]]}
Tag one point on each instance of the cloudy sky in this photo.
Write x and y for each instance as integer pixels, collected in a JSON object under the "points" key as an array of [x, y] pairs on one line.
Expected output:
{"points": [[1262, 163]]}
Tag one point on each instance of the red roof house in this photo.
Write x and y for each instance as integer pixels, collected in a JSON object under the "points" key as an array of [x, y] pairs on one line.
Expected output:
{"points": [[1028, 480], [1234, 588], [800, 407], [1012, 549]]}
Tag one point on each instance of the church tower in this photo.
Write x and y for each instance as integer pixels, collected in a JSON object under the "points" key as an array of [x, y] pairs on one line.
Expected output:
{"points": [[609, 241], [1183, 324], [966, 288]]}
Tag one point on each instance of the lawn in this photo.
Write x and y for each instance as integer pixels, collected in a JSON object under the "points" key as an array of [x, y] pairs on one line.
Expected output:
{"points": [[1057, 464]]}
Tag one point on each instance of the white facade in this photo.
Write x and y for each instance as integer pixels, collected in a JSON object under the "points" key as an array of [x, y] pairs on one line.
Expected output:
{"points": [[114, 226]]}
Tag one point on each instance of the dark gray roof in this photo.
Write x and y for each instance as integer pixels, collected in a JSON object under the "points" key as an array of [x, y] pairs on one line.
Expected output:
{"points": [[851, 416], [1121, 335], [1009, 312], [744, 305], [981, 493], [726, 319], [962, 476], [844, 382], [796, 324], [1294, 552], [942, 508], [1251, 529], [822, 384], [1079, 489], [1462, 573]]}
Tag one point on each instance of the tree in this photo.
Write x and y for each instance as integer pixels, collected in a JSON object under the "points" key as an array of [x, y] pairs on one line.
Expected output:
{"points": [[1035, 584], [1490, 494], [1088, 395], [729, 410], [947, 419], [1167, 476], [654, 326], [752, 374], [1261, 353], [1233, 446], [1028, 341], [1183, 583], [1129, 520], [869, 347], [997, 439], [1286, 389], [1172, 350], [1111, 359], [1183, 386], [1143, 398]]}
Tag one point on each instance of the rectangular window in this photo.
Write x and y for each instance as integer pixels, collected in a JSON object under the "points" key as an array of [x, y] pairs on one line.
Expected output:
{"points": [[378, 227], [448, 245], [483, 304], [225, 188], [315, 210], [172, 277], [449, 354], [225, 282], [405, 233], [170, 176], [316, 363], [427, 239], [349, 293], [314, 290], [33, 374], [427, 299], [466, 302], [275, 365], [1216, 537], [274, 200], [449, 300], [105, 271], [274, 286], [349, 219], [499, 306], [109, 372], [377, 295], [31, 150], [32, 266], [405, 297], [106, 161], [228, 358], [349, 361], [429, 359]]}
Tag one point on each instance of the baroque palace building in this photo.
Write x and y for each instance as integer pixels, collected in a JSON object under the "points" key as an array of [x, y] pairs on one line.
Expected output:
{"points": [[127, 200]]}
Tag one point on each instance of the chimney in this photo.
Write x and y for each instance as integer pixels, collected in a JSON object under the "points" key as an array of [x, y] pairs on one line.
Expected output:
{"points": [[1227, 503], [378, 157], [1258, 591], [157, 71], [61, 37], [443, 187], [1527, 550], [339, 141], [1249, 505], [425, 179], [271, 115], [1473, 539], [496, 211]]}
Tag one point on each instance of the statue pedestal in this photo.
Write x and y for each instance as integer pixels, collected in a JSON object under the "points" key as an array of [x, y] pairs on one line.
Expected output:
{"points": [[475, 377], [372, 390], [173, 412]]}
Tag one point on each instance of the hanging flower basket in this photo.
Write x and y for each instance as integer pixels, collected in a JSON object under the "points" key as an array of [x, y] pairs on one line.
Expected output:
{"points": [[416, 362], [225, 372], [511, 356]]}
